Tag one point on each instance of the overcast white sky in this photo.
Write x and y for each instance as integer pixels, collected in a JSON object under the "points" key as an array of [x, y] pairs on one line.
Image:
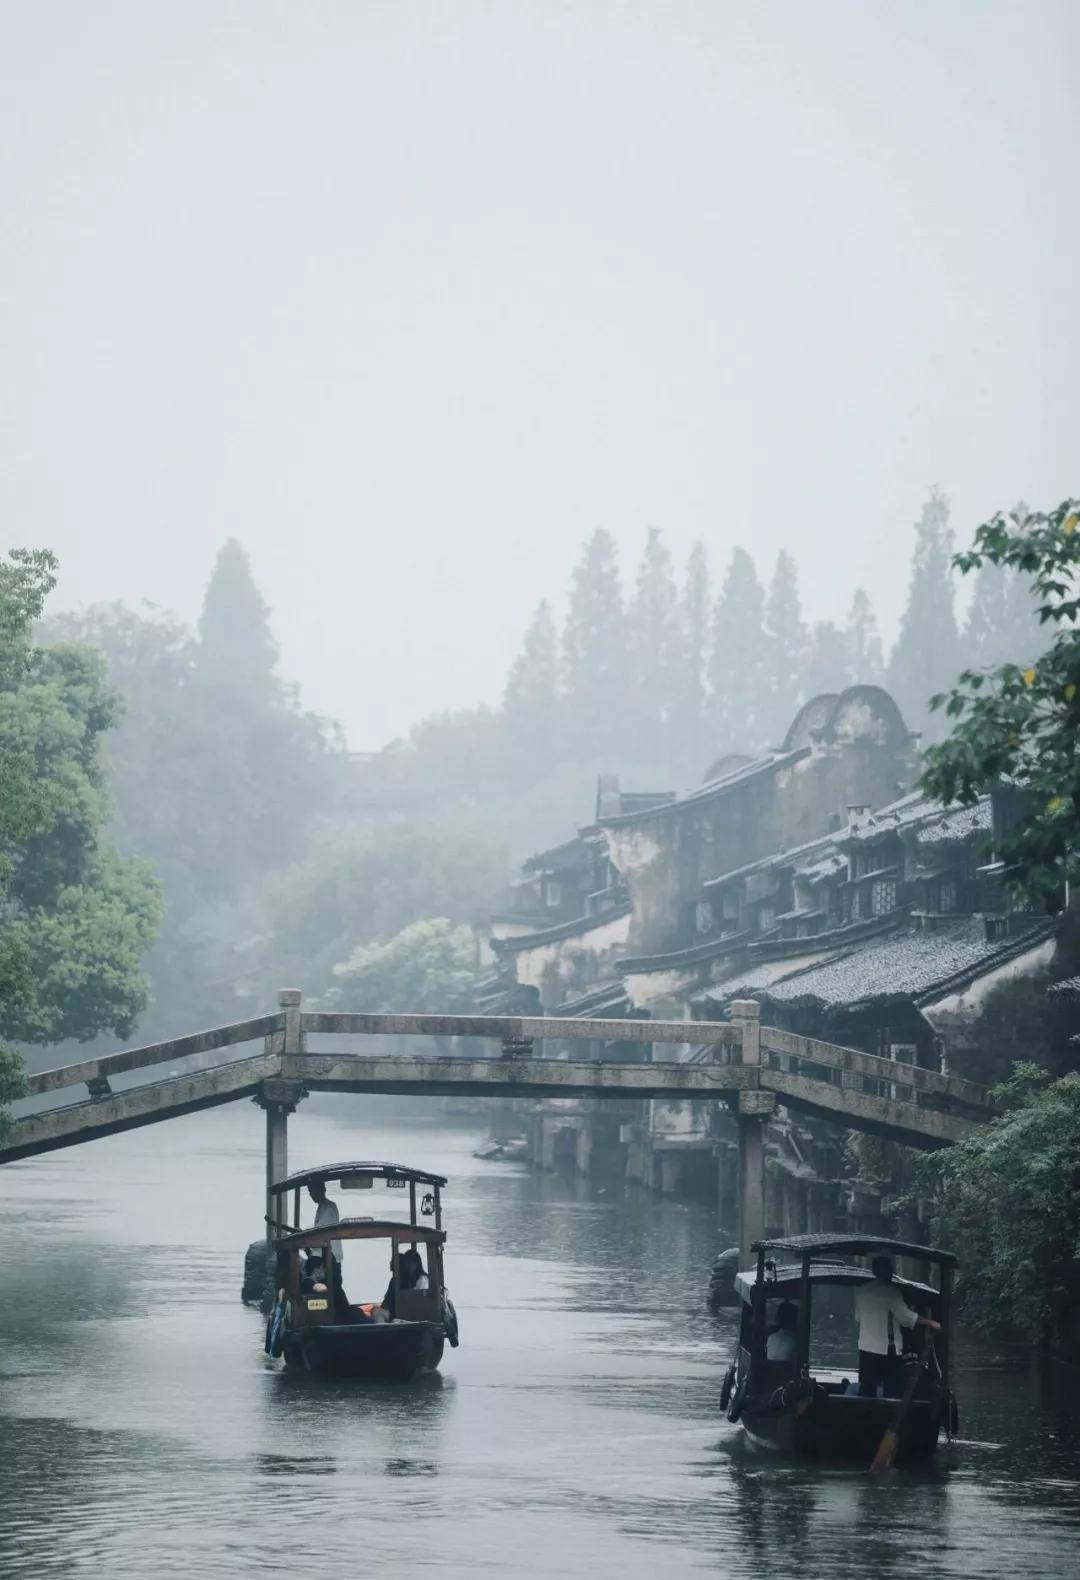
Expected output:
{"points": [[411, 297]]}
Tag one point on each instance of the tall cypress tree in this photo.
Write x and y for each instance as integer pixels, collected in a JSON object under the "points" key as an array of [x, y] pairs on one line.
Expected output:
{"points": [[690, 748], [827, 666], [653, 645], [594, 648], [237, 651], [787, 644], [531, 698], [866, 662], [927, 655], [985, 629], [739, 691]]}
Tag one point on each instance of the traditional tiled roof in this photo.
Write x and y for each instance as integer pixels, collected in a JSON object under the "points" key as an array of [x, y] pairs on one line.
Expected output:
{"points": [[913, 964], [761, 975], [572, 853], [694, 954], [607, 1000], [965, 822], [779, 858]]}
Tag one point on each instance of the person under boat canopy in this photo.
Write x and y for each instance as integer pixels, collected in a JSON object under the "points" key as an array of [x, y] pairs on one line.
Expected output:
{"points": [[781, 1343]]}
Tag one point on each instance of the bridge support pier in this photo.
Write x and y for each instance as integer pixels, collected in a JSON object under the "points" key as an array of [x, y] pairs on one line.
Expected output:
{"points": [[278, 1099], [755, 1110]]}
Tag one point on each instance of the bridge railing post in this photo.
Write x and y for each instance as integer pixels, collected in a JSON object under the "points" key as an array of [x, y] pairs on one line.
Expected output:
{"points": [[279, 1097], [292, 1042]]}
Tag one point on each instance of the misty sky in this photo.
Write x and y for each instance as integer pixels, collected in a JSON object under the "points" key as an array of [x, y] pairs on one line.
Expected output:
{"points": [[412, 297]]}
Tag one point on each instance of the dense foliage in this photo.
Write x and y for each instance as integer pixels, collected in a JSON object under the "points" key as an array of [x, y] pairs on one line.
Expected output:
{"points": [[76, 917], [427, 967], [364, 889], [219, 778], [1010, 1203], [1019, 720]]}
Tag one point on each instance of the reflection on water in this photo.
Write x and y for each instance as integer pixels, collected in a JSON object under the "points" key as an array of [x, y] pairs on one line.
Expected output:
{"points": [[576, 1431]]}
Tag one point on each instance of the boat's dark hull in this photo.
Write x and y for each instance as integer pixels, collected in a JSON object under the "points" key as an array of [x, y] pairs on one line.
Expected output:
{"points": [[390, 1350], [845, 1427]]}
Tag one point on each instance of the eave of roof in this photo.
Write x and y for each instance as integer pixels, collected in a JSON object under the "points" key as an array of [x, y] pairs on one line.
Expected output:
{"points": [[781, 858], [553, 935], [694, 954], [707, 792]]}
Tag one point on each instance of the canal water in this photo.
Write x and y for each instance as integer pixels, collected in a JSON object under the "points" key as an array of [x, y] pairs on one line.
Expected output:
{"points": [[576, 1431]]}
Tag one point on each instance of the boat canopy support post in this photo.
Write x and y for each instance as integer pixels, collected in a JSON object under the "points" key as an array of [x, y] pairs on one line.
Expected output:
{"points": [[279, 1097], [755, 1109]]}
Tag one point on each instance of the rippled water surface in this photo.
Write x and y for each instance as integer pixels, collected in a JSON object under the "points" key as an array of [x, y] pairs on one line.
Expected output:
{"points": [[577, 1431]]}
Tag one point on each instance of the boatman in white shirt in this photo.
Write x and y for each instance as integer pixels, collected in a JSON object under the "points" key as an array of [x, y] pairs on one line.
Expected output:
{"points": [[881, 1310], [326, 1211]]}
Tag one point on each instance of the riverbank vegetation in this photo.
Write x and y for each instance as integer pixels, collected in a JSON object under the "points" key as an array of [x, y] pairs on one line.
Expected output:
{"points": [[1010, 1196], [76, 916]]}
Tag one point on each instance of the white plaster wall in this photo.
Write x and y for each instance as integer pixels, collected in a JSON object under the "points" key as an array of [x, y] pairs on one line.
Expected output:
{"points": [[959, 1008], [632, 849], [533, 965], [644, 988], [512, 929]]}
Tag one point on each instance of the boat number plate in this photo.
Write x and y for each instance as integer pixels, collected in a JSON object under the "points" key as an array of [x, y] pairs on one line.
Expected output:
{"points": [[396, 1184], [317, 1305]]}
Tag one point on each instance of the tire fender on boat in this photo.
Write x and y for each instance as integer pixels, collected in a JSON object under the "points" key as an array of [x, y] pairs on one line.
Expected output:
{"points": [[735, 1407], [450, 1325], [729, 1383], [275, 1330]]}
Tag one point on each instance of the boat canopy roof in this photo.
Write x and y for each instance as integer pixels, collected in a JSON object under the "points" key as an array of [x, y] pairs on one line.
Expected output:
{"points": [[347, 1171], [788, 1281], [361, 1229], [853, 1245]]}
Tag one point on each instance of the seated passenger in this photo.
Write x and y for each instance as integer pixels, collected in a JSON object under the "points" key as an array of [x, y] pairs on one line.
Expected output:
{"points": [[782, 1342], [411, 1267], [411, 1275], [312, 1276]]}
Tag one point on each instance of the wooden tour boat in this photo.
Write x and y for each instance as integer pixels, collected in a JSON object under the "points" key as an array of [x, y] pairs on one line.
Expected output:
{"points": [[314, 1326], [802, 1409]]}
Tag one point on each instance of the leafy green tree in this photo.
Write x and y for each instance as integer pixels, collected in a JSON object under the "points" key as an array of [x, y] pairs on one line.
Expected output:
{"points": [[827, 665], [1010, 1203], [426, 967], [653, 643], [594, 647], [927, 649], [1020, 722], [76, 917], [531, 700], [219, 784], [786, 646], [739, 692], [365, 888], [865, 661]]}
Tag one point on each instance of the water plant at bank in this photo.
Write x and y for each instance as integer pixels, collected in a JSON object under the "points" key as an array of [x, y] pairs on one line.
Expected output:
{"points": [[1008, 1204]]}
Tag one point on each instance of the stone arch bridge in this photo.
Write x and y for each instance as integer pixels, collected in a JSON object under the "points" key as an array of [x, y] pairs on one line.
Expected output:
{"points": [[748, 1066]]}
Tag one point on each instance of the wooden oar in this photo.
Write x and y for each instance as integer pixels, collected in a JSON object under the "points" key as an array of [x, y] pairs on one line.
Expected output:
{"points": [[890, 1440]]}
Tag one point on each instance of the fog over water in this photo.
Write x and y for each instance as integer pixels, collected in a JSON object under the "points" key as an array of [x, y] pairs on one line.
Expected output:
{"points": [[576, 1431], [413, 298]]}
